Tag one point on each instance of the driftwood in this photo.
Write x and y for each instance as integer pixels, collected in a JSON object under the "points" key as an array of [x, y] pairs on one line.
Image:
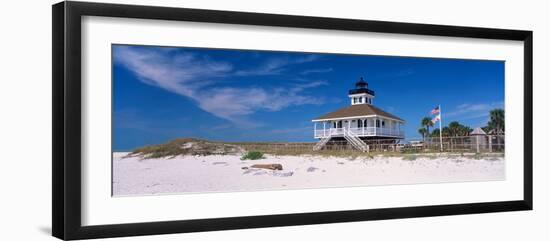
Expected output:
{"points": [[268, 166]]}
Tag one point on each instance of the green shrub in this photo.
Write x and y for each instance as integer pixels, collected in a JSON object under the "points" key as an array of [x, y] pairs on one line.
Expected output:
{"points": [[252, 155], [478, 156], [409, 150], [409, 157]]}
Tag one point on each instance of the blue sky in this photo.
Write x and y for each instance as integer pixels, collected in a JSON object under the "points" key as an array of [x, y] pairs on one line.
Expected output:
{"points": [[162, 93]]}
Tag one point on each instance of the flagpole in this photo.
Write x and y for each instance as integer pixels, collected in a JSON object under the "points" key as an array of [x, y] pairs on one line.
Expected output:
{"points": [[440, 129]]}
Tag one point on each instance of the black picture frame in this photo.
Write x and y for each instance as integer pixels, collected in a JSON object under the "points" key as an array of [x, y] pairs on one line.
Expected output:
{"points": [[66, 158]]}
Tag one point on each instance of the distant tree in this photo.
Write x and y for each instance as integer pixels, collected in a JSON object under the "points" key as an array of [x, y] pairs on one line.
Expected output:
{"points": [[446, 131], [496, 120], [427, 122], [422, 131], [435, 133], [466, 131], [457, 129], [454, 128]]}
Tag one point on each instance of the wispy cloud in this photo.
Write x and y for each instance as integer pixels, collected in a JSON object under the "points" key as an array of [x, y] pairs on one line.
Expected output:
{"points": [[469, 111], [310, 84], [190, 75], [316, 71], [394, 75], [390, 109], [275, 66]]}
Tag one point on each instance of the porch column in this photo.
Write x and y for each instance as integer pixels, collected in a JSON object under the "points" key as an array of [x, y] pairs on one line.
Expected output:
{"points": [[315, 129], [399, 128], [490, 143], [383, 129], [477, 143], [363, 125], [324, 128], [375, 126]]}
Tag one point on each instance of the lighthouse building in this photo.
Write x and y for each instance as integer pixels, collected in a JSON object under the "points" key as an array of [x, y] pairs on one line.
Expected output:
{"points": [[359, 122]]}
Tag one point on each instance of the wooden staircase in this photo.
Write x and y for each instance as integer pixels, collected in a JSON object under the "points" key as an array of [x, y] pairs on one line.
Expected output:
{"points": [[321, 143], [356, 141]]}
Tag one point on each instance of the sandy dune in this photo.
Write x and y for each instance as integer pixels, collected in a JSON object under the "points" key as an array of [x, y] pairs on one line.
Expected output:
{"points": [[225, 173]]}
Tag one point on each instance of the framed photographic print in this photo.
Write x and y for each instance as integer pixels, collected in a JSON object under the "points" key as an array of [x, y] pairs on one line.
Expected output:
{"points": [[169, 120]]}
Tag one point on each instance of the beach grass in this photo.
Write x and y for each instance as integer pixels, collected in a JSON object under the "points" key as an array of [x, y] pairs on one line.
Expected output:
{"points": [[257, 150], [186, 146]]}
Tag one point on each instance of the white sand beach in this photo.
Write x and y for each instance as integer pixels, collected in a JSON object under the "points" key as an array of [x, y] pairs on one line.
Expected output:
{"points": [[225, 173]]}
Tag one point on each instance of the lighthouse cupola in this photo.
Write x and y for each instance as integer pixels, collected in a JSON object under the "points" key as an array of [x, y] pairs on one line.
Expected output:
{"points": [[361, 94]]}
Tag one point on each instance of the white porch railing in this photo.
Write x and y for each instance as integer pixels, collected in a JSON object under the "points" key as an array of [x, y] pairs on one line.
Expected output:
{"points": [[360, 131]]}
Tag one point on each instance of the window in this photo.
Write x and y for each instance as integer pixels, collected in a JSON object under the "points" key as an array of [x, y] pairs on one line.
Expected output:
{"points": [[359, 123], [377, 123], [383, 123], [360, 99], [354, 100]]}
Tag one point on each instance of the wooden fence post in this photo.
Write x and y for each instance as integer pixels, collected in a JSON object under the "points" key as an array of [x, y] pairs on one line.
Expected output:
{"points": [[477, 143], [490, 143]]}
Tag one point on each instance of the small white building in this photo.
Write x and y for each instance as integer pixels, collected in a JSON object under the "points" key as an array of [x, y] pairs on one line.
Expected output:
{"points": [[479, 137], [358, 122]]}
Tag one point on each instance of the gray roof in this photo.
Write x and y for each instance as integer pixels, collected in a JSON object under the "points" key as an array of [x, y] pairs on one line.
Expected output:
{"points": [[478, 131]]}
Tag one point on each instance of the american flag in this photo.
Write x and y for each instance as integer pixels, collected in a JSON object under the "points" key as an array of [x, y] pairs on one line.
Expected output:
{"points": [[437, 111], [434, 111], [436, 118]]}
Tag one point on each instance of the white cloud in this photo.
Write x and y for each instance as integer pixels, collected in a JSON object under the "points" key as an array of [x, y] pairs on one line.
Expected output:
{"points": [[275, 66], [316, 71], [182, 73], [190, 75], [308, 84], [472, 111]]}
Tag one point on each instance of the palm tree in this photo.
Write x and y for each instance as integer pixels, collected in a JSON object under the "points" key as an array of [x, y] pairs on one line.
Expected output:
{"points": [[435, 133], [446, 131], [427, 122], [457, 129], [466, 130], [423, 132], [454, 128], [496, 121]]}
